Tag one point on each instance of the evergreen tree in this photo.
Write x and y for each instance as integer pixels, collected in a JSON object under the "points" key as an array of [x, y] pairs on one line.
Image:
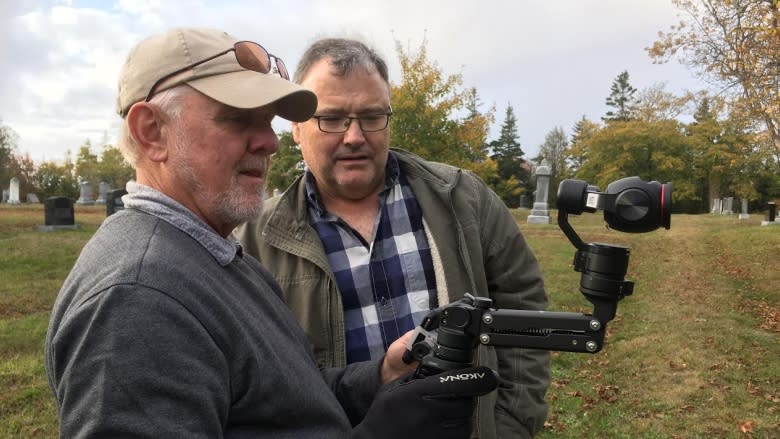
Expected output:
{"points": [[508, 155], [286, 164], [622, 99], [577, 152], [7, 158], [554, 151]]}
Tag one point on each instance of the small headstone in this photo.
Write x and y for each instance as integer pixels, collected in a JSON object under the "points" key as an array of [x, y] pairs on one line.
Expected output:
{"points": [[523, 201], [114, 201], [771, 215], [58, 214], [716, 206], [728, 206], [744, 213], [6, 193], [540, 214], [103, 189], [277, 192], [85, 196], [32, 198], [13, 191]]}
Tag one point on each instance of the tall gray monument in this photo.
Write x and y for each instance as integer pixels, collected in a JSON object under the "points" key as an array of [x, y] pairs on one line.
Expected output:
{"points": [[540, 214], [103, 189], [86, 194], [13, 191], [744, 213]]}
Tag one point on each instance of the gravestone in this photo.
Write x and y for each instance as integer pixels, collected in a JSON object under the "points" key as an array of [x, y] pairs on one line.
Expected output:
{"points": [[540, 214], [58, 214], [522, 201], [85, 196], [114, 201], [728, 206], [13, 191], [103, 189], [744, 212], [32, 198], [716, 206], [771, 215], [5, 195]]}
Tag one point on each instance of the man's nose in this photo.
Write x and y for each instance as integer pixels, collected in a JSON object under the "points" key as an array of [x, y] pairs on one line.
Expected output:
{"points": [[263, 139], [354, 134]]}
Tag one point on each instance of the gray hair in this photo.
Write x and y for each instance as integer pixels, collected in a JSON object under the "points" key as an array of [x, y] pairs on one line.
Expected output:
{"points": [[169, 103], [344, 54]]}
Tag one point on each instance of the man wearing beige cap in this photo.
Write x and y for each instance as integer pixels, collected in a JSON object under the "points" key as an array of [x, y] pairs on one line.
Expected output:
{"points": [[164, 327]]}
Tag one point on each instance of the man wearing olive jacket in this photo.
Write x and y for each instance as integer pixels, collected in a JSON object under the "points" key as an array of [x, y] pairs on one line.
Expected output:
{"points": [[370, 239]]}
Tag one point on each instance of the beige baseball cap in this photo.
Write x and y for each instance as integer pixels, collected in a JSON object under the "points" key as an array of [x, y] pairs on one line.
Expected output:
{"points": [[221, 79]]}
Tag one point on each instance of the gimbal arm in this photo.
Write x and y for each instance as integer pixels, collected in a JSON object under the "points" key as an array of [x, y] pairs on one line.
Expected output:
{"points": [[462, 325], [629, 205]]}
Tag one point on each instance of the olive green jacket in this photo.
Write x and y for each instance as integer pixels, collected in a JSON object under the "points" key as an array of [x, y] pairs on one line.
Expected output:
{"points": [[477, 248]]}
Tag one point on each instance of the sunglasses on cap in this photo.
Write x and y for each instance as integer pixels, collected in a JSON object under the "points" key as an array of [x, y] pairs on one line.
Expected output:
{"points": [[249, 55]]}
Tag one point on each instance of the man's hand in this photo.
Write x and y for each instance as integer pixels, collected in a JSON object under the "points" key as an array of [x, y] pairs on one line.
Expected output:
{"points": [[393, 366], [439, 406]]}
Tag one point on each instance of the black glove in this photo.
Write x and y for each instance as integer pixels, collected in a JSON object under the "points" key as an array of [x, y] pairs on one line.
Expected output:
{"points": [[438, 406]]}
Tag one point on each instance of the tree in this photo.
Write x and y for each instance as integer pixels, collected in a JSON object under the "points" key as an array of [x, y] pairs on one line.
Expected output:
{"points": [[650, 150], [554, 151], [654, 103], [621, 98], [725, 155], [736, 45], [512, 169], [8, 139], [52, 179], [434, 118], [87, 165], [113, 168], [286, 164], [577, 153]]}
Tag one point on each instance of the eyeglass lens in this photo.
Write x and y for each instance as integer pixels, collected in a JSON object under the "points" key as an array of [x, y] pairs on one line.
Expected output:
{"points": [[253, 56], [369, 123]]}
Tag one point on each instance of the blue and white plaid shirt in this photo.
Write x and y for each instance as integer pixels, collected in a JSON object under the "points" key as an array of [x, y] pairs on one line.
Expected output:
{"points": [[386, 285]]}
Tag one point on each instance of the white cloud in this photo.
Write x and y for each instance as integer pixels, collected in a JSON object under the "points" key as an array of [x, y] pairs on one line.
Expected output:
{"points": [[553, 60]]}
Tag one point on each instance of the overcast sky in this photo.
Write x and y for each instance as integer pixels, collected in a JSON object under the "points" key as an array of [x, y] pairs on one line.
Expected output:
{"points": [[553, 61]]}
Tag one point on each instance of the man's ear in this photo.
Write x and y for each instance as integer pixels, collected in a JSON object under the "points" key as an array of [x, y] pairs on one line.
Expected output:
{"points": [[146, 127]]}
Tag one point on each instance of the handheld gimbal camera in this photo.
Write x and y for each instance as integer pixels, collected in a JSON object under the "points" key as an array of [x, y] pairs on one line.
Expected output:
{"points": [[448, 335]]}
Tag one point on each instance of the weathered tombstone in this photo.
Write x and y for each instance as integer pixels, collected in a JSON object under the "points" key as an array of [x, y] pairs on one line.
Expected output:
{"points": [[728, 206], [85, 197], [277, 192], [32, 198], [743, 214], [540, 214], [114, 201], [58, 214], [770, 214], [13, 191], [103, 189], [716, 206], [522, 201], [5, 195]]}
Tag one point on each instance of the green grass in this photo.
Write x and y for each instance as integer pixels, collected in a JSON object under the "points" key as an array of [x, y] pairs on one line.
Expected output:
{"points": [[693, 353], [33, 265]]}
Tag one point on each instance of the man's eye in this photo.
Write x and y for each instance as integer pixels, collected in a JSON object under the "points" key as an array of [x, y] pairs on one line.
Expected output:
{"points": [[370, 118], [331, 119]]}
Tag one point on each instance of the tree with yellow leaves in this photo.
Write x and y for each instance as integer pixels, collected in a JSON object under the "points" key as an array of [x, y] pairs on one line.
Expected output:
{"points": [[436, 119], [736, 44]]}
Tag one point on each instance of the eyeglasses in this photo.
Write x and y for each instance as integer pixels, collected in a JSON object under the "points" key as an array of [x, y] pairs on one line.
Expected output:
{"points": [[249, 55], [369, 123]]}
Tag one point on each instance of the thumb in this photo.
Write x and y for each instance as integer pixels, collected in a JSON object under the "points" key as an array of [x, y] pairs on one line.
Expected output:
{"points": [[458, 383]]}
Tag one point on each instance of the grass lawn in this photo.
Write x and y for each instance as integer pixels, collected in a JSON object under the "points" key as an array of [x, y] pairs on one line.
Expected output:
{"points": [[693, 353]]}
